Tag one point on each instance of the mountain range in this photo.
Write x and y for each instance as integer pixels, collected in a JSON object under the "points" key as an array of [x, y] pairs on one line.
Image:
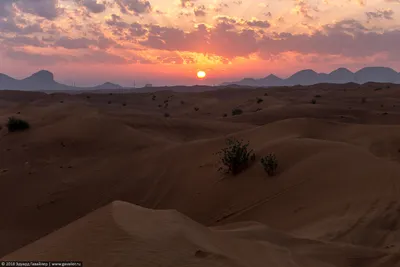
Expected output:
{"points": [[310, 77], [44, 81]]}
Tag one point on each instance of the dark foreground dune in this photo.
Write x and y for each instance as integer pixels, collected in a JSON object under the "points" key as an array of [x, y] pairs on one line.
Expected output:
{"points": [[334, 202]]}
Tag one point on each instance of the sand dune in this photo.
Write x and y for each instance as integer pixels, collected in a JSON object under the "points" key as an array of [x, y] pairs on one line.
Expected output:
{"points": [[133, 236], [334, 201]]}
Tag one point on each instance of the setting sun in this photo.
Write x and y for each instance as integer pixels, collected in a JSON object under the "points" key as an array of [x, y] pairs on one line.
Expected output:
{"points": [[201, 74]]}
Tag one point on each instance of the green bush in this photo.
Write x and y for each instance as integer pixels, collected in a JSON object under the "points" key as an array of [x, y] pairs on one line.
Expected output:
{"points": [[15, 124], [236, 156], [236, 111], [270, 164]]}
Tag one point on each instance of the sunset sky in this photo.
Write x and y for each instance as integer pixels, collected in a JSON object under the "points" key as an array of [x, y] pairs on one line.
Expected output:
{"points": [[166, 42]]}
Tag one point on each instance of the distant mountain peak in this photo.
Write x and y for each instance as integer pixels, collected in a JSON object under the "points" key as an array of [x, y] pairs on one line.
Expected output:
{"points": [[108, 85], [341, 70], [42, 75], [272, 76]]}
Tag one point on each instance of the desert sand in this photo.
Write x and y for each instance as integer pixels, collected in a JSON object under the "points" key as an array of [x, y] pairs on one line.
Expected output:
{"points": [[109, 180]]}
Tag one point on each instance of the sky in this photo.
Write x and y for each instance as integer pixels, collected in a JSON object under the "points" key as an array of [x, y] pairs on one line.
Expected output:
{"points": [[88, 42]]}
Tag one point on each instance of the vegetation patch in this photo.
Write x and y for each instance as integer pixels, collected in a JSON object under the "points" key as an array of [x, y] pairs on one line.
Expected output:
{"points": [[235, 157], [270, 164], [15, 124], [236, 111]]}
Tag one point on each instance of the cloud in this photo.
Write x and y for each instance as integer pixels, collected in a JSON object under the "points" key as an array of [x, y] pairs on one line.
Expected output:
{"points": [[126, 30], [5, 8], [35, 59], [187, 3], [347, 38], [258, 23], [93, 5], [84, 43], [134, 6], [9, 25], [200, 11], [78, 43], [48, 9], [304, 8], [380, 14]]}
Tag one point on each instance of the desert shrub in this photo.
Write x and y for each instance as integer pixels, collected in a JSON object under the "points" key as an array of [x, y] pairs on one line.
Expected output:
{"points": [[265, 94], [236, 111], [159, 106], [14, 125], [153, 97], [109, 102], [166, 114], [378, 89], [270, 164], [259, 100], [236, 156], [257, 110], [165, 101], [313, 101], [363, 100], [225, 115], [124, 104], [196, 109], [182, 102]]}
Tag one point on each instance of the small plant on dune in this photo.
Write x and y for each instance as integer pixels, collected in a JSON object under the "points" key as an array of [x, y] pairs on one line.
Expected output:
{"points": [[236, 157], [14, 125], [270, 164], [196, 109], [265, 94], [153, 97], [159, 106], [182, 102], [124, 104], [259, 100], [314, 101], [363, 100], [109, 102], [225, 115], [236, 111], [166, 115]]}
